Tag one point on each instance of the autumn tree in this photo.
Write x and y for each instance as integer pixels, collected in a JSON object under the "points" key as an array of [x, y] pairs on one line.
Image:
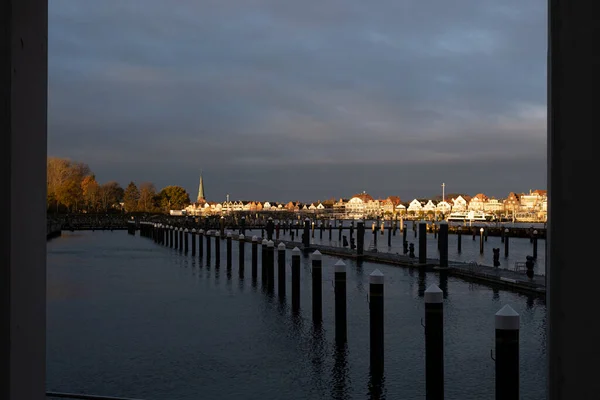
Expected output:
{"points": [[131, 197], [111, 193], [64, 179], [147, 201], [173, 198], [91, 192]]}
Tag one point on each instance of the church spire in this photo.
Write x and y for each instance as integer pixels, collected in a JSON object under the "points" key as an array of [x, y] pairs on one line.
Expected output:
{"points": [[201, 198]]}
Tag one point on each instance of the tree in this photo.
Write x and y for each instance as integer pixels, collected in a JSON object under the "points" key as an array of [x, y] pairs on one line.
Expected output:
{"points": [[173, 198], [147, 201], [110, 194], [91, 192], [131, 196]]}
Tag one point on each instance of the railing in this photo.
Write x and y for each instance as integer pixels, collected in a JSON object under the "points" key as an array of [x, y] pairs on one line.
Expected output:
{"points": [[58, 395]]}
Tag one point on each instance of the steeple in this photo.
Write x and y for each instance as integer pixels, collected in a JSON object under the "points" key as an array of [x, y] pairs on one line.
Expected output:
{"points": [[201, 198]]}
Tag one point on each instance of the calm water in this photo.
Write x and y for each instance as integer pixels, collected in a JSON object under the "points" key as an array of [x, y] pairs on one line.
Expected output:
{"points": [[127, 317]]}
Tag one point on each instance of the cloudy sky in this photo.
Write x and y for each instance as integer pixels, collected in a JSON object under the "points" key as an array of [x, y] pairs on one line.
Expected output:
{"points": [[302, 100]]}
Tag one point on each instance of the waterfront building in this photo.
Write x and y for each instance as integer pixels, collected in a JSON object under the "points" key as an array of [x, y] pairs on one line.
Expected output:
{"points": [[443, 207], [493, 206], [372, 208], [477, 203], [356, 207], [459, 204], [401, 209], [415, 207], [339, 208]]}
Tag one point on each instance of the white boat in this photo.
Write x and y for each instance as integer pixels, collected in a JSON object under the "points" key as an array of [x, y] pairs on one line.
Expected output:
{"points": [[470, 216]]}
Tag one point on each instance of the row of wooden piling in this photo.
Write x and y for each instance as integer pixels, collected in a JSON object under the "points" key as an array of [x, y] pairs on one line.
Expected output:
{"points": [[507, 321]]}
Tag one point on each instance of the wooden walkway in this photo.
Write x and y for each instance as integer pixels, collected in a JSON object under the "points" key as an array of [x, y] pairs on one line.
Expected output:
{"points": [[472, 272]]}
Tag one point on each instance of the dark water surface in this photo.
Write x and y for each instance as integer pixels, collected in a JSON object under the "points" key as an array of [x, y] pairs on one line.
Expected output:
{"points": [[127, 317]]}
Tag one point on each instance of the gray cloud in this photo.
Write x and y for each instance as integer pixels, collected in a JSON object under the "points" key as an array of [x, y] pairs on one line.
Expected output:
{"points": [[335, 90]]}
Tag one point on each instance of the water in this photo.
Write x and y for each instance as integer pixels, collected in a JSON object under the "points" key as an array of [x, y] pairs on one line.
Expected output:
{"points": [[127, 317]]}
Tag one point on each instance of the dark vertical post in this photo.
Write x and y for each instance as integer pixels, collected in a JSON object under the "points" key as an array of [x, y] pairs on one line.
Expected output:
{"points": [[507, 353], [270, 266], [459, 239], [254, 258], [443, 243], [481, 240], [264, 260], [295, 279], [180, 239], [317, 294], [340, 302], [270, 227], [321, 230], [229, 250], [434, 343], [404, 230], [243, 226], [193, 242], [376, 321], [390, 236], [201, 243], [360, 238], [329, 227], [312, 230], [217, 249], [535, 244], [186, 241], [222, 228], [306, 234], [501, 235], [422, 243], [340, 231], [171, 235], [506, 241], [208, 234], [241, 254], [281, 270], [374, 231]]}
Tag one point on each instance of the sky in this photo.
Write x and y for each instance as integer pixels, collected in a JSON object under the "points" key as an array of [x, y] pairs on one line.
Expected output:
{"points": [[277, 100]]}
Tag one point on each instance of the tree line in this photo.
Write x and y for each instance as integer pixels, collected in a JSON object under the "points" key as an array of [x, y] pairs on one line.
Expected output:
{"points": [[72, 187]]}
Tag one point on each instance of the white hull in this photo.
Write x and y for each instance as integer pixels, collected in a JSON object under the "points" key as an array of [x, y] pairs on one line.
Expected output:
{"points": [[470, 216]]}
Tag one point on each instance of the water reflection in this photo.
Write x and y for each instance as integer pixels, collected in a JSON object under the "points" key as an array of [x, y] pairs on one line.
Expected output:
{"points": [[422, 282], [496, 294], [376, 386], [340, 372], [530, 301], [359, 275], [444, 283]]}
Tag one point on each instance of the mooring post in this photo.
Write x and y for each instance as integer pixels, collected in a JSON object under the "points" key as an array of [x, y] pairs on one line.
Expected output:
{"points": [[193, 242], [390, 236], [340, 230], [264, 261], [507, 353], [506, 241], [270, 266], [201, 243], [241, 254], [459, 239], [317, 293], [217, 249], [360, 238], [186, 240], [481, 240], [229, 251], [281, 270], [376, 321], [180, 240], [340, 302], [295, 279], [422, 243], [208, 247], [306, 234], [434, 343], [254, 258], [443, 244]]}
